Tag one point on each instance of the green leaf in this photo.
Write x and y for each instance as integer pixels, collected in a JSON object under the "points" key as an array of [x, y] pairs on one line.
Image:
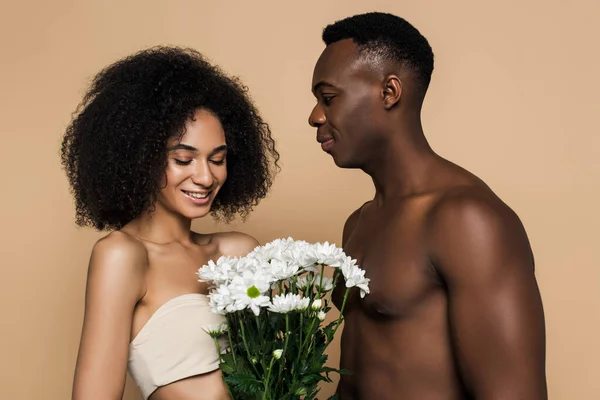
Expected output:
{"points": [[243, 383], [227, 369]]}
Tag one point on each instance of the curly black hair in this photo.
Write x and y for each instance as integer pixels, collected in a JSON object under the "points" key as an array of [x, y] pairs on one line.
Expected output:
{"points": [[114, 150], [389, 37]]}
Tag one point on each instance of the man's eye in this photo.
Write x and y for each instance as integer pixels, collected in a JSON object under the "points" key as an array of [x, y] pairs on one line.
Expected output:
{"points": [[327, 100]]}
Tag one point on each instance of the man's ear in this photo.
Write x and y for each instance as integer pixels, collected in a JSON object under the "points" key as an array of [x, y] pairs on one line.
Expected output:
{"points": [[392, 91]]}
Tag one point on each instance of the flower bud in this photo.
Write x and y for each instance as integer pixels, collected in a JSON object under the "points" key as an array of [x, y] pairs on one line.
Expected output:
{"points": [[316, 304]]}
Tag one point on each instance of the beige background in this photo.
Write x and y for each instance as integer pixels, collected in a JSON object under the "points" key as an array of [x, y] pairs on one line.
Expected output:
{"points": [[514, 98]]}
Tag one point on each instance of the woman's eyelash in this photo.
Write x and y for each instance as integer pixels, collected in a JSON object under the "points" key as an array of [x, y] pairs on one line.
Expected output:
{"points": [[182, 162]]}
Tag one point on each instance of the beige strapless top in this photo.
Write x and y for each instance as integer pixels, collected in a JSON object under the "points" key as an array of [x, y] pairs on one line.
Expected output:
{"points": [[172, 345]]}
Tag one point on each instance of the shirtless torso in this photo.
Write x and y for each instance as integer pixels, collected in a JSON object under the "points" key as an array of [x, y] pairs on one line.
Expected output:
{"points": [[454, 310], [453, 297]]}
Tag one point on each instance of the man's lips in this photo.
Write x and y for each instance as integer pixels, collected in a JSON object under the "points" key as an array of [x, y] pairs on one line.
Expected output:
{"points": [[326, 143]]}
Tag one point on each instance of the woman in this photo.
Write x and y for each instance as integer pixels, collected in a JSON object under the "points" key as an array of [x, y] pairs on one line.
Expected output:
{"points": [[161, 137]]}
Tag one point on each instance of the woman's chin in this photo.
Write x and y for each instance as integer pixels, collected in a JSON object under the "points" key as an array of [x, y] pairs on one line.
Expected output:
{"points": [[197, 213]]}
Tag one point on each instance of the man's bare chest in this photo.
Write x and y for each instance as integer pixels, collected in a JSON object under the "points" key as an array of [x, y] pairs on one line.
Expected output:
{"points": [[395, 257]]}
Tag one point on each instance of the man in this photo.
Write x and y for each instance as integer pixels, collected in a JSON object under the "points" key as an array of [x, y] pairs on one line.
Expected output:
{"points": [[454, 310]]}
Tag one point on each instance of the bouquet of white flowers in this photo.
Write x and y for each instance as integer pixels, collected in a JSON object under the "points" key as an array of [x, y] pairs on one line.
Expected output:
{"points": [[275, 300]]}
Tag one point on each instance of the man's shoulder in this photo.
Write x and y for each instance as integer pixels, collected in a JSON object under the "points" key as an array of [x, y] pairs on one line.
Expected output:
{"points": [[351, 222], [469, 204], [356, 213], [473, 222]]}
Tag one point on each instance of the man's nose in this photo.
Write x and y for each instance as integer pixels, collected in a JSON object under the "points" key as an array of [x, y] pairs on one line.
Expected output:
{"points": [[316, 117]]}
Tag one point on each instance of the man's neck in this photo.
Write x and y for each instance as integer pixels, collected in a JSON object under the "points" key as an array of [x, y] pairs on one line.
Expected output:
{"points": [[403, 165]]}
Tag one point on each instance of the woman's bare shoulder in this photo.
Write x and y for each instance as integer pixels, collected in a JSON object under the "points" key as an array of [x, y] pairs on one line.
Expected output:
{"points": [[234, 244], [118, 259], [118, 244]]}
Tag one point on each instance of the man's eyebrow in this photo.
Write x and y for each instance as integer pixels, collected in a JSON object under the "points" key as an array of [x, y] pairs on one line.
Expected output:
{"points": [[320, 84]]}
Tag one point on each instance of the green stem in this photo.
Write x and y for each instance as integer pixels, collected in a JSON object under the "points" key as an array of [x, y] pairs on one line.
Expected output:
{"points": [[266, 384], [287, 331], [301, 325], [339, 321], [231, 346], [285, 344], [293, 284], [257, 324], [218, 349], [321, 280], [246, 346], [312, 324]]}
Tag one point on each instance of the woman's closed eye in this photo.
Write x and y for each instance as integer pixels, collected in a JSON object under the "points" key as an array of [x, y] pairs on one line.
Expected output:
{"points": [[219, 161], [182, 162]]}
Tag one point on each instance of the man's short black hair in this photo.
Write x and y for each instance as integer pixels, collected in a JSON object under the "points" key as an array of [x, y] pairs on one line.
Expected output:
{"points": [[387, 37]]}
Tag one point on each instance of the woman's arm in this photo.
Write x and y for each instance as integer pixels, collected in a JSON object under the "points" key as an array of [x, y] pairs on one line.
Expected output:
{"points": [[115, 284]]}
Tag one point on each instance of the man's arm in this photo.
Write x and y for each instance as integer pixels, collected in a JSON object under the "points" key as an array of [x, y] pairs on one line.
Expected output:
{"points": [[481, 250]]}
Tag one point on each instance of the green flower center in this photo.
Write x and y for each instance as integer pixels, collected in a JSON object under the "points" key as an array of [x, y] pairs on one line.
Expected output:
{"points": [[253, 292]]}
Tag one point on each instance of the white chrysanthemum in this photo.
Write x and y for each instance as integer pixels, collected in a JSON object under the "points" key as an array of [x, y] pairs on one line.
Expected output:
{"points": [[321, 315], [220, 300], [247, 290], [215, 330], [322, 283], [303, 254], [355, 276], [285, 303], [283, 270], [304, 282], [253, 265], [283, 258], [303, 303], [325, 284], [329, 254], [220, 272], [271, 250]]}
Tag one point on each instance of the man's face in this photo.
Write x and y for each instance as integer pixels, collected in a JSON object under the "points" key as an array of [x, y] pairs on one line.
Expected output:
{"points": [[349, 111]]}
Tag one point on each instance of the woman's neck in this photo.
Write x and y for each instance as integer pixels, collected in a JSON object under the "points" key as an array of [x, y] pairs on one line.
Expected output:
{"points": [[161, 226]]}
